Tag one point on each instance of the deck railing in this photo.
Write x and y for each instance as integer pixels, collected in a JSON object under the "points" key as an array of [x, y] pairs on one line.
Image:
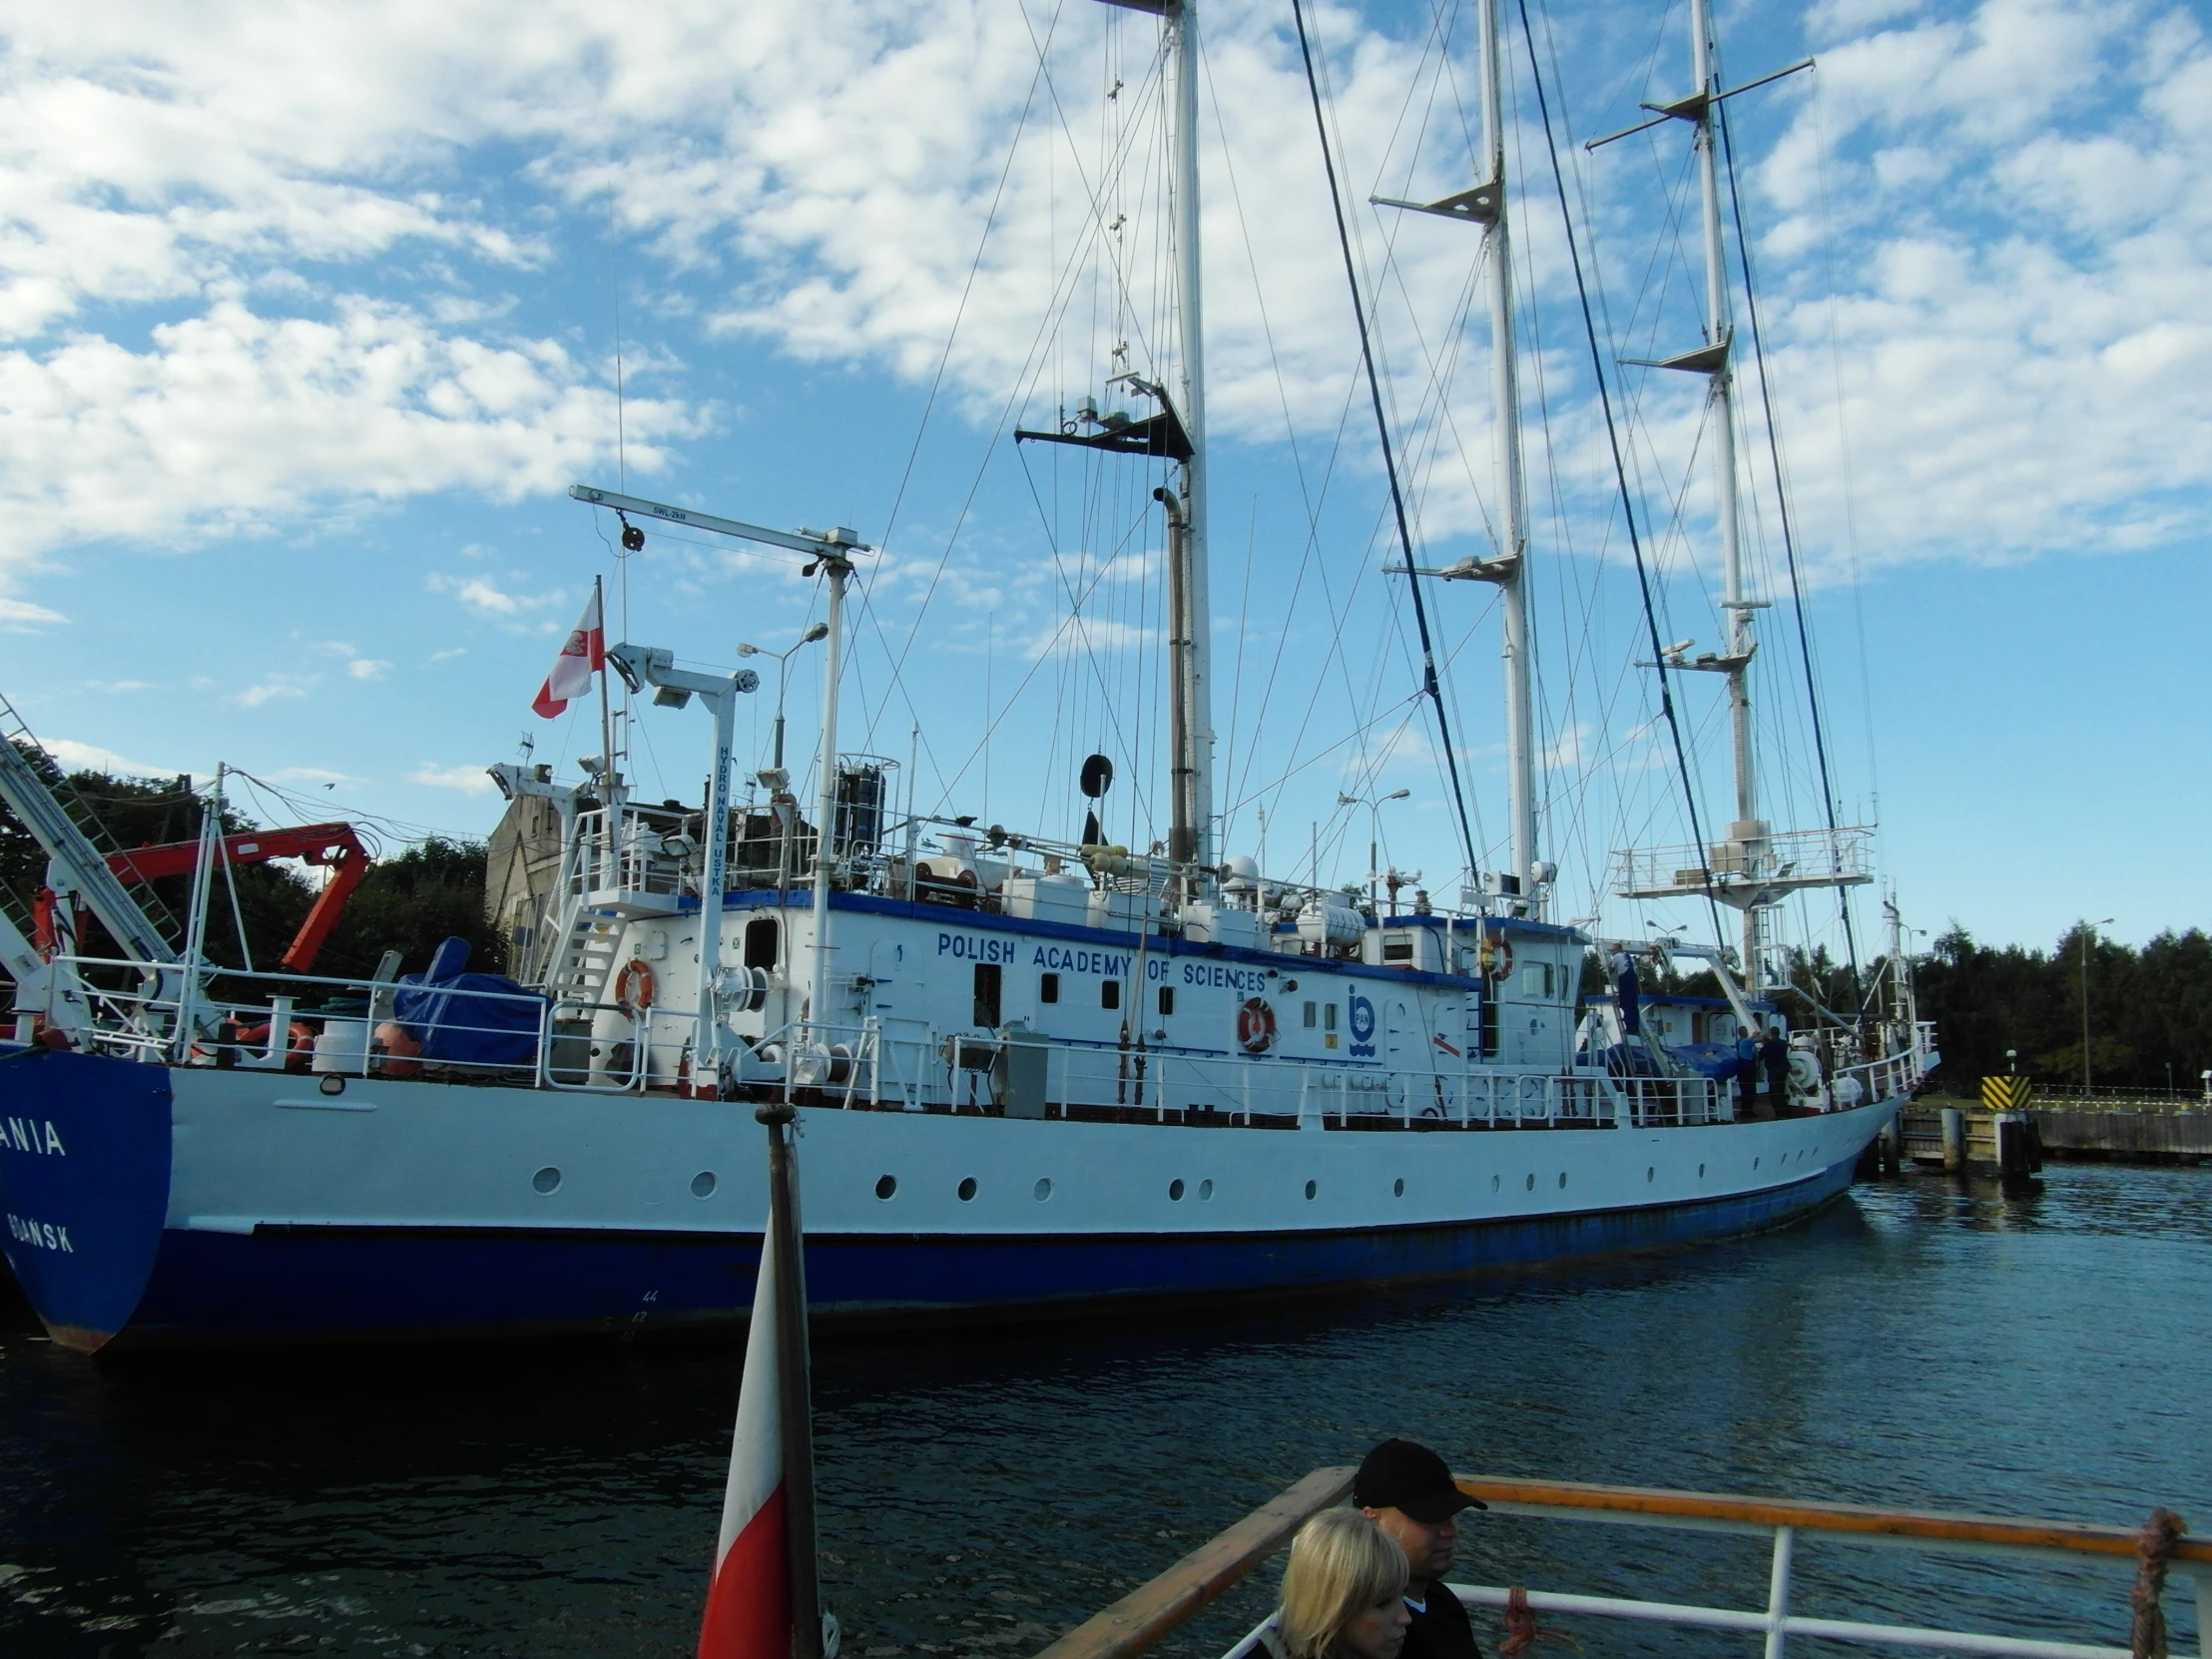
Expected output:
{"points": [[1155, 1609]]}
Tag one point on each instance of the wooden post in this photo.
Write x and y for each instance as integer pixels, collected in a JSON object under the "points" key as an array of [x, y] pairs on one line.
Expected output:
{"points": [[796, 1379], [1955, 1140]]}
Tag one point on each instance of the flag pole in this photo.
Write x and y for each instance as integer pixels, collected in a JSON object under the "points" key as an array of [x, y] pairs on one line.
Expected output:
{"points": [[795, 1379], [608, 786]]}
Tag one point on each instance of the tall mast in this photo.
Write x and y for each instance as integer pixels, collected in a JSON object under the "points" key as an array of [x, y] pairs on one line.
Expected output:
{"points": [[1719, 338], [1512, 564], [1193, 646]]}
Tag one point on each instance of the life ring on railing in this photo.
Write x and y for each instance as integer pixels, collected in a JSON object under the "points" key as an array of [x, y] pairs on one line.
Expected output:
{"points": [[634, 986], [1494, 957], [1255, 1025]]}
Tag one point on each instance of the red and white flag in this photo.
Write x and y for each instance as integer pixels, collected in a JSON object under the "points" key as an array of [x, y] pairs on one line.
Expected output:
{"points": [[583, 655], [749, 1603]]}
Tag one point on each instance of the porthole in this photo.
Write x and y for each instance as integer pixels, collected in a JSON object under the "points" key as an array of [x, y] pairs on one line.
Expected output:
{"points": [[1042, 1190], [546, 1180], [967, 1188], [1398, 1187], [885, 1185], [1311, 1187], [1174, 1191], [1562, 1177], [703, 1184], [1531, 1183], [1205, 1190]]}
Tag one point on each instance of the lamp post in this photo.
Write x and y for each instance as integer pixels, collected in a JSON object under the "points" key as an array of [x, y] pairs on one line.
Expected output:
{"points": [[820, 630], [2012, 1062], [1374, 804], [2087, 928]]}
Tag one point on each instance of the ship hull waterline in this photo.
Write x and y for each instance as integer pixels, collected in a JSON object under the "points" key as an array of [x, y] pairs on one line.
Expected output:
{"points": [[429, 1219]]}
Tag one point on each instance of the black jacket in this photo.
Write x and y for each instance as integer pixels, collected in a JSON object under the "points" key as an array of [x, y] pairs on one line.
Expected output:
{"points": [[1443, 1632]]}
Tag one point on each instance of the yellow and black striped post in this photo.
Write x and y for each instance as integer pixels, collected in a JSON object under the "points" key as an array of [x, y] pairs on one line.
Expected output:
{"points": [[2007, 1094]]}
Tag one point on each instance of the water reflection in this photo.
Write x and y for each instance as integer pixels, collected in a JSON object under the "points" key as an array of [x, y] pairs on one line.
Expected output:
{"points": [[1952, 1346]]}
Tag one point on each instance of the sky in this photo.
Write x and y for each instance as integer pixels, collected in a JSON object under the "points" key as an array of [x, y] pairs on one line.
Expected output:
{"points": [[309, 315]]}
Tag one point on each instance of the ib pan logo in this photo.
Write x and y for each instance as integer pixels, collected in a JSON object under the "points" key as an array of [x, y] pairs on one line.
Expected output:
{"points": [[1362, 1027]]}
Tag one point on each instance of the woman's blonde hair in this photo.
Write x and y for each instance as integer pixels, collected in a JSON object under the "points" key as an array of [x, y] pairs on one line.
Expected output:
{"points": [[1341, 1564]]}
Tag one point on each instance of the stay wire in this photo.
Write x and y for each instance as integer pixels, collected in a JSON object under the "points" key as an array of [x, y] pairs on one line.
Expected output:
{"points": [[1788, 547], [1382, 433], [1620, 473]]}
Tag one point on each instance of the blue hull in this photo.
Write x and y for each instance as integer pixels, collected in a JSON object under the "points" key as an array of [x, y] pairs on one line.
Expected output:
{"points": [[124, 1275]]}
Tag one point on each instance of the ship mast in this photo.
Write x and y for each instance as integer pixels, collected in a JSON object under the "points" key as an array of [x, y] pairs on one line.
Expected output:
{"points": [[1735, 661], [1485, 205], [1753, 869], [1191, 839], [1510, 562]]}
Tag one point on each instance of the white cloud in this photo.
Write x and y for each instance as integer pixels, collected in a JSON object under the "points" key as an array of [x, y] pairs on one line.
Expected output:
{"points": [[487, 599], [72, 756], [470, 780], [450, 653], [367, 667], [274, 686], [21, 615], [117, 687], [2022, 337], [312, 775]]}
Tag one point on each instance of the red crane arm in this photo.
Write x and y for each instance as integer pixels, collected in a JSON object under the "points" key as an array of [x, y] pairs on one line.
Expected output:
{"points": [[337, 844]]}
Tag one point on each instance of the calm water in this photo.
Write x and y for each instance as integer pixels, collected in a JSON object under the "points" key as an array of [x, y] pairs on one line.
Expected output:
{"points": [[1920, 1343]]}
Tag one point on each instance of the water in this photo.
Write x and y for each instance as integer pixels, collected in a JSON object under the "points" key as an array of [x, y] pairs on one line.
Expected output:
{"points": [[1918, 1343]]}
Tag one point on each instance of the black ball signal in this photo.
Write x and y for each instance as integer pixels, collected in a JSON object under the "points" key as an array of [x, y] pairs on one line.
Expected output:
{"points": [[1097, 776], [633, 538]]}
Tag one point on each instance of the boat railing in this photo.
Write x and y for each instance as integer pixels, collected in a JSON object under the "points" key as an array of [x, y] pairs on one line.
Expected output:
{"points": [[275, 1021], [1157, 1607], [913, 1065]]}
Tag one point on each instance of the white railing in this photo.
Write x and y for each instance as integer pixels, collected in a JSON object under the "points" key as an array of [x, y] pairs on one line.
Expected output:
{"points": [[1123, 1631], [1794, 855]]}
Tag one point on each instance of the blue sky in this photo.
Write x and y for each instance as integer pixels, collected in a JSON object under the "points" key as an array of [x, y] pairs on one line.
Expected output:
{"points": [[311, 316]]}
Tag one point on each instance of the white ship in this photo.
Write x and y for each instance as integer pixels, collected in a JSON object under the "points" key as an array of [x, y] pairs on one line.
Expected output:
{"points": [[1033, 1069]]}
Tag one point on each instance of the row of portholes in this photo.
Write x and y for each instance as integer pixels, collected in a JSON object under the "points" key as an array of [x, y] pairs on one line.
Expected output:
{"points": [[886, 1187], [1528, 1183], [548, 1181]]}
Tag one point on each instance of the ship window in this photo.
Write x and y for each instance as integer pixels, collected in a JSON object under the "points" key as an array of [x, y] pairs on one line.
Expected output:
{"points": [[1109, 993], [760, 942], [1167, 999], [1049, 987], [1535, 979], [1399, 949], [1313, 1015], [986, 994], [1328, 1017]]}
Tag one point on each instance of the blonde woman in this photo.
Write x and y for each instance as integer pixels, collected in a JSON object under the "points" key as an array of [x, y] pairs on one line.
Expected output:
{"points": [[1343, 1592]]}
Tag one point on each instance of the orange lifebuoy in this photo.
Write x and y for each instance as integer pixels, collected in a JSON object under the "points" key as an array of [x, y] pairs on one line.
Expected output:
{"points": [[1255, 1025], [1496, 957], [634, 986]]}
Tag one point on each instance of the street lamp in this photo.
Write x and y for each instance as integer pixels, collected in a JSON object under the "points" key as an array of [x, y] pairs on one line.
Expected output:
{"points": [[2087, 928], [818, 630], [1374, 804]]}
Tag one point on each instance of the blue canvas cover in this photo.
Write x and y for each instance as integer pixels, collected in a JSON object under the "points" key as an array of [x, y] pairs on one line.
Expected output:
{"points": [[480, 1019], [1714, 1060]]}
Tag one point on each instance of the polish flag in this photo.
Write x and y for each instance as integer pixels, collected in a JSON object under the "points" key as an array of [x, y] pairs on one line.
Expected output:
{"points": [[749, 1603], [583, 655]]}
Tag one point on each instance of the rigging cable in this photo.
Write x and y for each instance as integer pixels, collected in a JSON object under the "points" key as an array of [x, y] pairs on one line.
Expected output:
{"points": [[1620, 473], [1382, 432], [1789, 551]]}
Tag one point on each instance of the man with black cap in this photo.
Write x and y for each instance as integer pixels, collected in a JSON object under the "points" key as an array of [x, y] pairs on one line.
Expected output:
{"points": [[1407, 1490]]}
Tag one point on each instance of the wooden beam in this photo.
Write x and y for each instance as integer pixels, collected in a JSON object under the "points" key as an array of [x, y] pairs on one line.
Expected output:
{"points": [[1819, 1518], [1150, 1611]]}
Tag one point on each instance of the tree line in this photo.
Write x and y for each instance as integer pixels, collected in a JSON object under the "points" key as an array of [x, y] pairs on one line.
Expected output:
{"points": [[2150, 1010]]}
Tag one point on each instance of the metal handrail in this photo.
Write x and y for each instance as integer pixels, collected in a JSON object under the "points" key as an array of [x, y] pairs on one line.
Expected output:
{"points": [[1156, 1609]]}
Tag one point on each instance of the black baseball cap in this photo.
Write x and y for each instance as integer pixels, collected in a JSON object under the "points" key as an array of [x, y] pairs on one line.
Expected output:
{"points": [[1398, 1474]]}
